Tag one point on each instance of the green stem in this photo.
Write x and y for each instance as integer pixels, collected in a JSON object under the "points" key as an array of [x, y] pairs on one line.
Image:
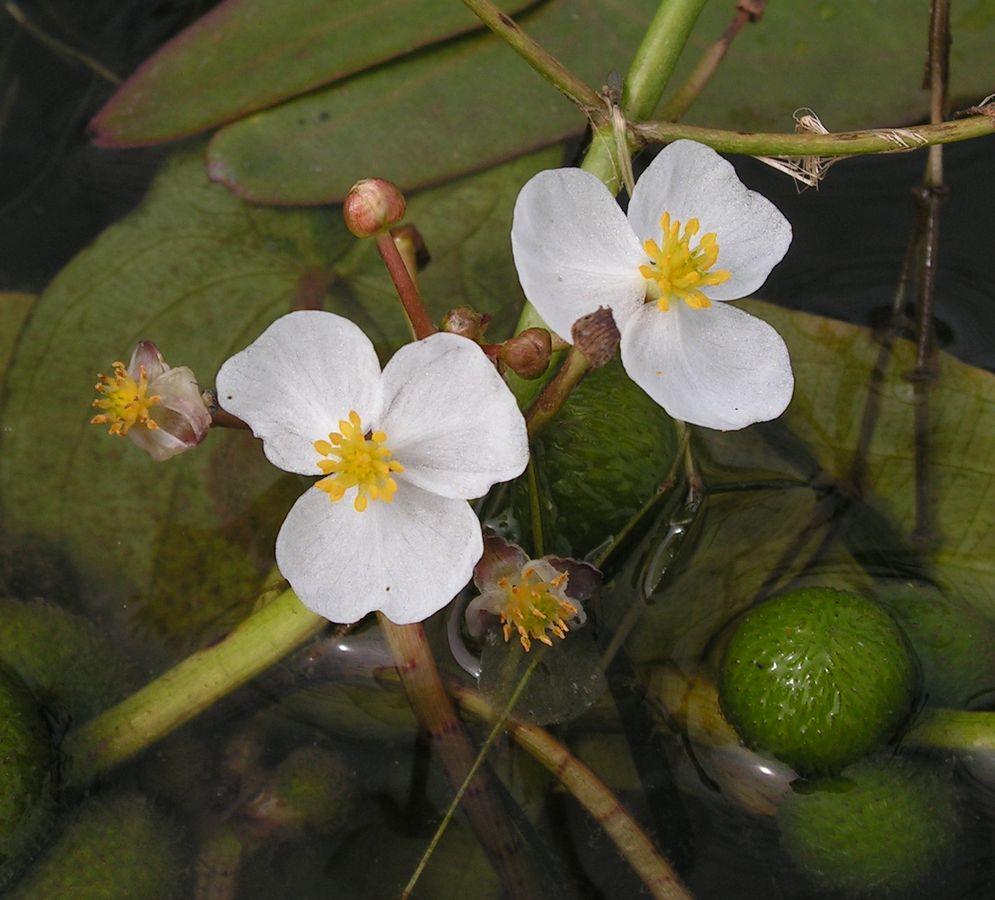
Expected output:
{"points": [[953, 729], [190, 687], [842, 143], [644, 85], [547, 65]]}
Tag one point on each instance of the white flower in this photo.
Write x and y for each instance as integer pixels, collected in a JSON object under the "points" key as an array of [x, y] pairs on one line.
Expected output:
{"points": [[694, 234], [388, 527], [160, 408]]}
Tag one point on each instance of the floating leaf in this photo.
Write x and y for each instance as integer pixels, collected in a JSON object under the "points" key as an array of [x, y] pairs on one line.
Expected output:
{"points": [[472, 103], [466, 106], [14, 309], [245, 55]]}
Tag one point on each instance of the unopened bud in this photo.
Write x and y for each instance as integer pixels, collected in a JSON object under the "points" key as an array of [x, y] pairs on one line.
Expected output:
{"points": [[527, 354], [596, 336], [371, 206], [466, 322]]}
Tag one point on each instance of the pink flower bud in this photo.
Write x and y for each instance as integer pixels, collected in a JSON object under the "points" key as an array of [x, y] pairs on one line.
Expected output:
{"points": [[371, 206], [527, 354]]}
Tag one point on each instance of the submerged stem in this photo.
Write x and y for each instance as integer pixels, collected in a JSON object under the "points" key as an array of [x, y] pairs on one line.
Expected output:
{"points": [[436, 715], [189, 688], [591, 792]]}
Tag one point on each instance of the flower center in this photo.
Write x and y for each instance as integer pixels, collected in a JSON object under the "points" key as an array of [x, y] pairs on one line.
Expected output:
{"points": [[359, 461], [125, 402], [534, 606], [678, 271]]}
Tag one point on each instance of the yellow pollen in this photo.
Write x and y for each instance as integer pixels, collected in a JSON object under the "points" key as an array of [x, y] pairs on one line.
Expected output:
{"points": [[125, 402], [357, 460], [678, 271], [533, 606]]}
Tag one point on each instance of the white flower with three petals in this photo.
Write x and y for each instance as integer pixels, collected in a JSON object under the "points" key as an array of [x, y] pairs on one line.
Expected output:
{"points": [[694, 236], [388, 526]]}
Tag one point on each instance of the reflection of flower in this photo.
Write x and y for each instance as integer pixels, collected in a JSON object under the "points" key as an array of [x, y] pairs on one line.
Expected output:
{"points": [[530, 596], [388, 526], [704, 362], [158, 407]]}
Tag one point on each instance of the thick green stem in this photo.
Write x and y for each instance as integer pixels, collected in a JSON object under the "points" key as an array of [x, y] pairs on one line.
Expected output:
{"points": [[644, 85], [190, 687], [843, 143]]}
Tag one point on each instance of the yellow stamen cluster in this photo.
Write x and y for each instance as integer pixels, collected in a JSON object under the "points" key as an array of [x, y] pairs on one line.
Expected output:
{"points": [[677, 270], [126, 402], [360, 461], [534, 606]]}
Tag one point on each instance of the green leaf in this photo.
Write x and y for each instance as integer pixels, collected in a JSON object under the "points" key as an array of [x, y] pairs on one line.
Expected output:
{"points": [[245, 55], [14, 310], [461, 108], [832, 362], [203, 273], [856, 64], [471, 103]]}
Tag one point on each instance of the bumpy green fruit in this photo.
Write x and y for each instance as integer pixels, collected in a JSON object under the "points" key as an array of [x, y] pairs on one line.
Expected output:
{"points": [[73, 669], [876, 829], [817, 678], [110, 849], [600, 459], [26, 780]]}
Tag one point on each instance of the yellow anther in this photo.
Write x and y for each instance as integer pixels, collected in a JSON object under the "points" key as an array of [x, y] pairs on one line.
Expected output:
{"points": [[534, 606], [357, 461], [126, 402], [675, 270]]}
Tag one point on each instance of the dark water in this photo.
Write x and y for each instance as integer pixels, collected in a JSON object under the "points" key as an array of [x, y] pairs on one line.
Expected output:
{"points": [[57, 193]]}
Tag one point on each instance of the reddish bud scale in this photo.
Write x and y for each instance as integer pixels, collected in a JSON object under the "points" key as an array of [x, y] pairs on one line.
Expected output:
{"points": [[371, 206]]}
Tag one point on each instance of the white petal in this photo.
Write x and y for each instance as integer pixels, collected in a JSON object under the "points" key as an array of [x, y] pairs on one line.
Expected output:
{"points": [[408, 558], [690, 180], [718, 367], [574, 249], [450, 419], [297, 380], [148, 355]]}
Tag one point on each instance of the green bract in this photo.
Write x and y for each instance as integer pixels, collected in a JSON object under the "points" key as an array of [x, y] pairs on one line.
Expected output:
{"points": [[818, 678]]}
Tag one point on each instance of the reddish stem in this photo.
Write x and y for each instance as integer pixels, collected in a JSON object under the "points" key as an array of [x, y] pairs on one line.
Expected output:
{"points": [[407, 290]]}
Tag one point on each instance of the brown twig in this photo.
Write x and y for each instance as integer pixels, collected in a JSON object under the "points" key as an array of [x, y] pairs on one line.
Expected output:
{"points": [[929, 198]]}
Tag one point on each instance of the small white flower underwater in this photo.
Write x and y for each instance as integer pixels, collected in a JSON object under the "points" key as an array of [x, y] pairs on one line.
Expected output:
{"points": [[694, 237], [388, 528]]}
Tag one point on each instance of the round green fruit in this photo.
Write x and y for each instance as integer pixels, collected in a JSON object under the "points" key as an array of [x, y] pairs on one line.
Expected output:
{"points": [[953, 642], [26, 780], [606, 452], [817, 678], [110, 849], [874, 830]]}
